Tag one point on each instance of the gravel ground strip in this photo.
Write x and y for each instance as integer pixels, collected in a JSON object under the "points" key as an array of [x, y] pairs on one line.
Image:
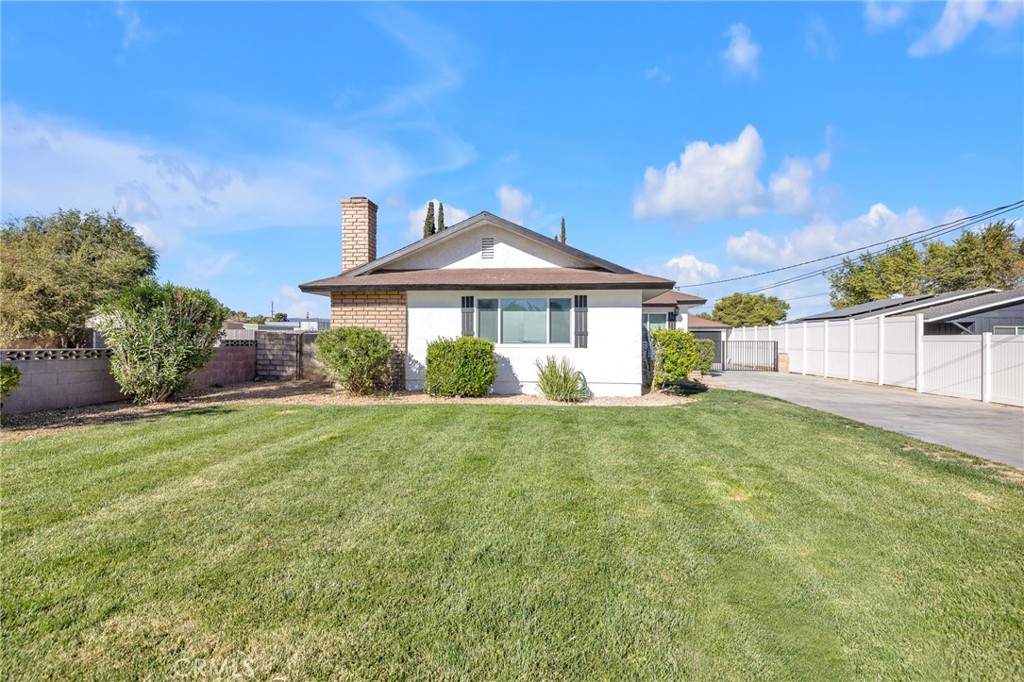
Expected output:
{"points": [[21, 426]]}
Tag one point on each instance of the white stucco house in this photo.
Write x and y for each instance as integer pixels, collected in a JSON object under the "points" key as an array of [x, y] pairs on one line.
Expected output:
{"points": [[488, 277]]}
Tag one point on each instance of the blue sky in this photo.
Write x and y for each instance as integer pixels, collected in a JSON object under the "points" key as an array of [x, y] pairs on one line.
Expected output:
{"points": [[691, 140]]}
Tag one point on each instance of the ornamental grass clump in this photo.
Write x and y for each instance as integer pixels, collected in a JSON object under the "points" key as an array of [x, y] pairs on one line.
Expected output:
{"points": [[460, 368], [359, 359], [159, 335], [558, 380], [675, 356]]}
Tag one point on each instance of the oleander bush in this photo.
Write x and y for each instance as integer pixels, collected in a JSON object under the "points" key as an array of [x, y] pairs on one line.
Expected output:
{"points": [[361, 360], [558, 380], [160, 334], [462, 367], [705, 355], [675, 356]]}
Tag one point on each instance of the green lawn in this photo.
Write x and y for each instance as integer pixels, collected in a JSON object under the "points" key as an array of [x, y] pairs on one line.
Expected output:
{"points": [[737, 537]]}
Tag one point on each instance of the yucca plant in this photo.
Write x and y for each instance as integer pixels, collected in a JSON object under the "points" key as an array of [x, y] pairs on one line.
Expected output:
{"points": [[559, 380]]}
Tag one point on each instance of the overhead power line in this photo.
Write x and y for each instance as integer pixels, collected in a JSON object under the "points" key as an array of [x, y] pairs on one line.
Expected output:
{"points": [[924, 234]]}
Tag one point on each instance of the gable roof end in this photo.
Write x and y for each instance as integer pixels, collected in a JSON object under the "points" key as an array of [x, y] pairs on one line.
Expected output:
{"points": [[473, 221]]}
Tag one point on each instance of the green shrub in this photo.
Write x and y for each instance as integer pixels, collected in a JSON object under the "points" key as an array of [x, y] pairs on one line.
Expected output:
{"points": [[359, 359], [675, 356], [10, 379], [465, 367], [558, 380], [705, 355], [159, 335]]}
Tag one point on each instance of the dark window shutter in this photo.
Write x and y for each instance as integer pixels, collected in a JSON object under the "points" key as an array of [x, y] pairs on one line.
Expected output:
{"points": [[672, 319], [580, 304], [467, 316]]}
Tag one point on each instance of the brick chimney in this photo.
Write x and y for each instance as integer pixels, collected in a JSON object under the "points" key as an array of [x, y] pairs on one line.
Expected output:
{"points": [[358, 232]]}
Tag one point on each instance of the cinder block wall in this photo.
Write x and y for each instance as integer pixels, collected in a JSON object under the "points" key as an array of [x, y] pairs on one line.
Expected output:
{"points": [[381, 310], [56, 382], [231, 364], [59, 379]]}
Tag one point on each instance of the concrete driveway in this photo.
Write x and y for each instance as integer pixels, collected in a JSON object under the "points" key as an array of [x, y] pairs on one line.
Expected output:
{"points": [[995, 432]]}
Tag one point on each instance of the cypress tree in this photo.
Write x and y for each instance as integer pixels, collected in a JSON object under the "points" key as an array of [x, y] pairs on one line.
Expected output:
{"points": [[428, 222], [440, 216], [563, 230]]}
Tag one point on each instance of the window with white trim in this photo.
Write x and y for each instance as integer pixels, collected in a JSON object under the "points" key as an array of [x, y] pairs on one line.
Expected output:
{"points": [[654, 321], [525, 320], [1007, 330]]}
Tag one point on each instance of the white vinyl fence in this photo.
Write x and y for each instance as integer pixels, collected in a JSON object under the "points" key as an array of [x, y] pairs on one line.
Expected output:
{"points": [[894, 351]]}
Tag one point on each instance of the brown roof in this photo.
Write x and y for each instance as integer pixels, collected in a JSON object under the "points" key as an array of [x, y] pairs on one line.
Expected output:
{"points": [[487, 278], [694, 322], [673, 298]]}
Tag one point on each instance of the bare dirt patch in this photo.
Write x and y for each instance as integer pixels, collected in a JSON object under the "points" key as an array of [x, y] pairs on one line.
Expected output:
{"points": [[286, 393]]}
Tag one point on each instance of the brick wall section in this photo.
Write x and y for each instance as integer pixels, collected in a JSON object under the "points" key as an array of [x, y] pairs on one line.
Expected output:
{"points": [[56, 384], [358, 232], [381, 310]]}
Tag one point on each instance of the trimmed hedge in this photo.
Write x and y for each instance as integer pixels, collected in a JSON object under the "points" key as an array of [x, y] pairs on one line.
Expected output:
{"points": [[705, 355], [462, 367], [675, 356], [558, 380], [358, 358]]}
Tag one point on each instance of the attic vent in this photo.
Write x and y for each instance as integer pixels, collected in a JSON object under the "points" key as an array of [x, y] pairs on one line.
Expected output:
{"points": [[487, 247]]}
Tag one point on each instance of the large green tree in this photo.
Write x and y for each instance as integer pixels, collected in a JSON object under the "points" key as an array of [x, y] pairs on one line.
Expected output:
{"points": [[990, 257], [440, 216], [562, 234], [747, 310], [57, 269]]}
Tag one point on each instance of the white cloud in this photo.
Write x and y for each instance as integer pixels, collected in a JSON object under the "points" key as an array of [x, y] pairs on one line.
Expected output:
{"points": [[515, 203], [820, 41], [714, 181], [416, 216], [742, 54], [823, 237], [659, 74], [688, 269], [885, 15], [135, 33], [959, 19]]}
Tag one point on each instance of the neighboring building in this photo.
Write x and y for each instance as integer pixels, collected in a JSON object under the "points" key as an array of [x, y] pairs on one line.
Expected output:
{"points": [[1000, 312], [308, 324], [709, 329], [669, 310], [491, 278], [973, 311], [897, 305]]}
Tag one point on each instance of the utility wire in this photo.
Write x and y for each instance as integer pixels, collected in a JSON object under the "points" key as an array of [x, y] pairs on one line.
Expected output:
{"points": [[925, 234], [941, 230]]}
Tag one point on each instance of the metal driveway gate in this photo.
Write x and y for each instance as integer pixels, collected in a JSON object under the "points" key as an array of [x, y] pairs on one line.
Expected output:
{"points": [[755, 356]]}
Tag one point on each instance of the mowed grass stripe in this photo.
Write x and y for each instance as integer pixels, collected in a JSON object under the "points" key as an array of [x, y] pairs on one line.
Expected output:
{"points": [[736, 537]]}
